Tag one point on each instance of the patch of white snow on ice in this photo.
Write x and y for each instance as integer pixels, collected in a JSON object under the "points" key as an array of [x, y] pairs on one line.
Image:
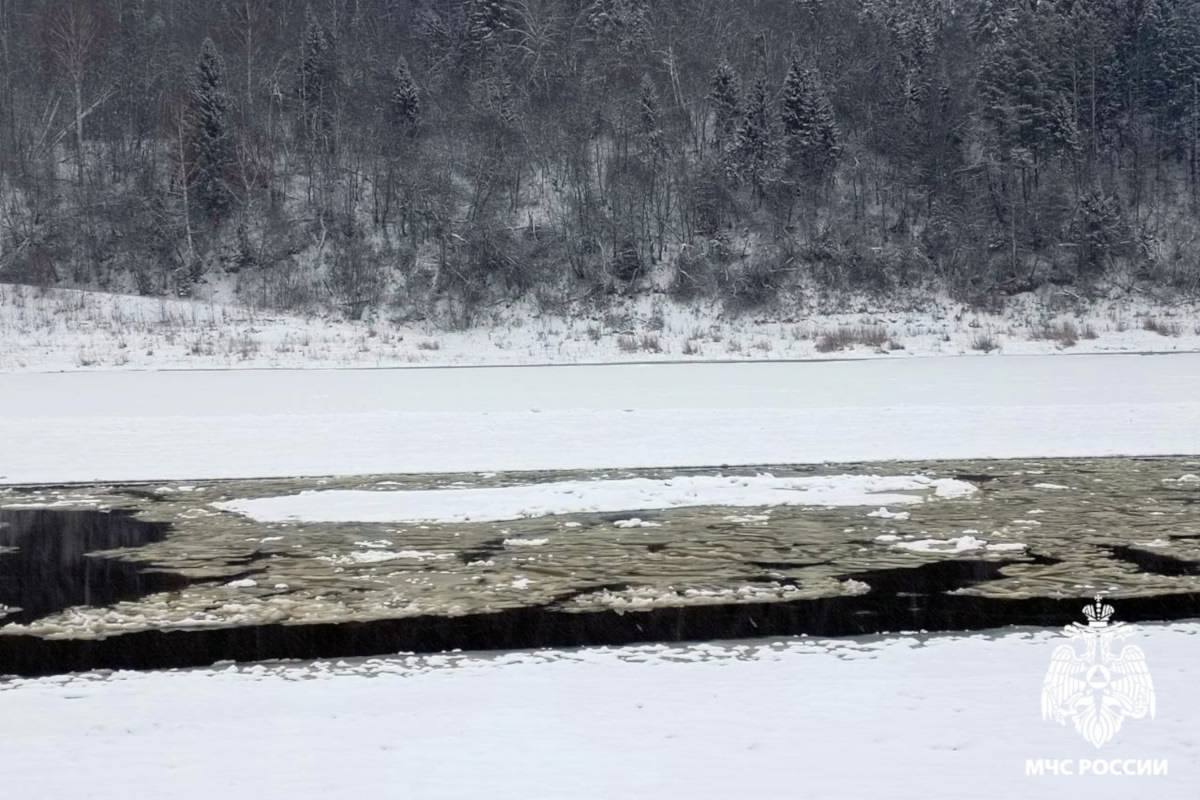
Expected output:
{"points": [[636, 522], [376, 556], [958, 544], [883, 513], [569, 497]]}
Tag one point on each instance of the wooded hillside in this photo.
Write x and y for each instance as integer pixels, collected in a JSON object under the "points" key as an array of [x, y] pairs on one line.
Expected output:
{"points": [[363, 152]]}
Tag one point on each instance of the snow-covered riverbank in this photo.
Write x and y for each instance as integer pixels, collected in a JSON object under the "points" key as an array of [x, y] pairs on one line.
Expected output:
{"points": [[66, 329]]}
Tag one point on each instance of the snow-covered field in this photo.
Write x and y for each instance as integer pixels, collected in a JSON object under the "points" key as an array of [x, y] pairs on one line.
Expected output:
{"points": [[128, 425], [922, 717], [64, 329]]}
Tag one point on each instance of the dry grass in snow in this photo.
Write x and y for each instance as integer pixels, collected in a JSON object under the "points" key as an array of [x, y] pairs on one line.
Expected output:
{"points": [[63, 329]]}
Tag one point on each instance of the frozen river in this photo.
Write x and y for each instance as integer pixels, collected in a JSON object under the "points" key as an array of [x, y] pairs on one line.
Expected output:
{"points": [[108, 426], [899, 717], [182, 578]]}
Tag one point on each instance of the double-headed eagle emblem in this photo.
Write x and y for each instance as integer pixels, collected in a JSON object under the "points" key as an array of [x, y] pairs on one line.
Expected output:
{"points": [[1098, 687]]}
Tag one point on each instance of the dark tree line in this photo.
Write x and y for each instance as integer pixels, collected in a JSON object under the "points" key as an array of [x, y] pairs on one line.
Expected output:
{"points": [[357, 151]]}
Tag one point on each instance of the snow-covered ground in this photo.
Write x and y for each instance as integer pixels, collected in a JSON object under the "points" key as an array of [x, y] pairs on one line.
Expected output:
{"points": [[571, 497], [62, 329], [129, 425], [925, 717]]}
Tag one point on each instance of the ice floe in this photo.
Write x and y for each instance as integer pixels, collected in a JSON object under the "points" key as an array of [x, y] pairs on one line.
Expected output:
{"points": [[602, 496]]}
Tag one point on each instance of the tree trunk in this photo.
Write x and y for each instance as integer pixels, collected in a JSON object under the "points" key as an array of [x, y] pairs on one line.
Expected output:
{"points": [[78, 86]]}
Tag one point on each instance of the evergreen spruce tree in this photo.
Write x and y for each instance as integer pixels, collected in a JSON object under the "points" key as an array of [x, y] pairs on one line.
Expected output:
{"points": [[808, 127], [725, 95], [316, 76], [312, 55], [406, 97], [1016, 81], [991, 20], [489, 20], [210, 139], [649, 125], [755, 147], [1176, 75]]}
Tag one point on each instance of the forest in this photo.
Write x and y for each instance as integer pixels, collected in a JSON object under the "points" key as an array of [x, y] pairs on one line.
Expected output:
{"points": [[363, 154]]}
